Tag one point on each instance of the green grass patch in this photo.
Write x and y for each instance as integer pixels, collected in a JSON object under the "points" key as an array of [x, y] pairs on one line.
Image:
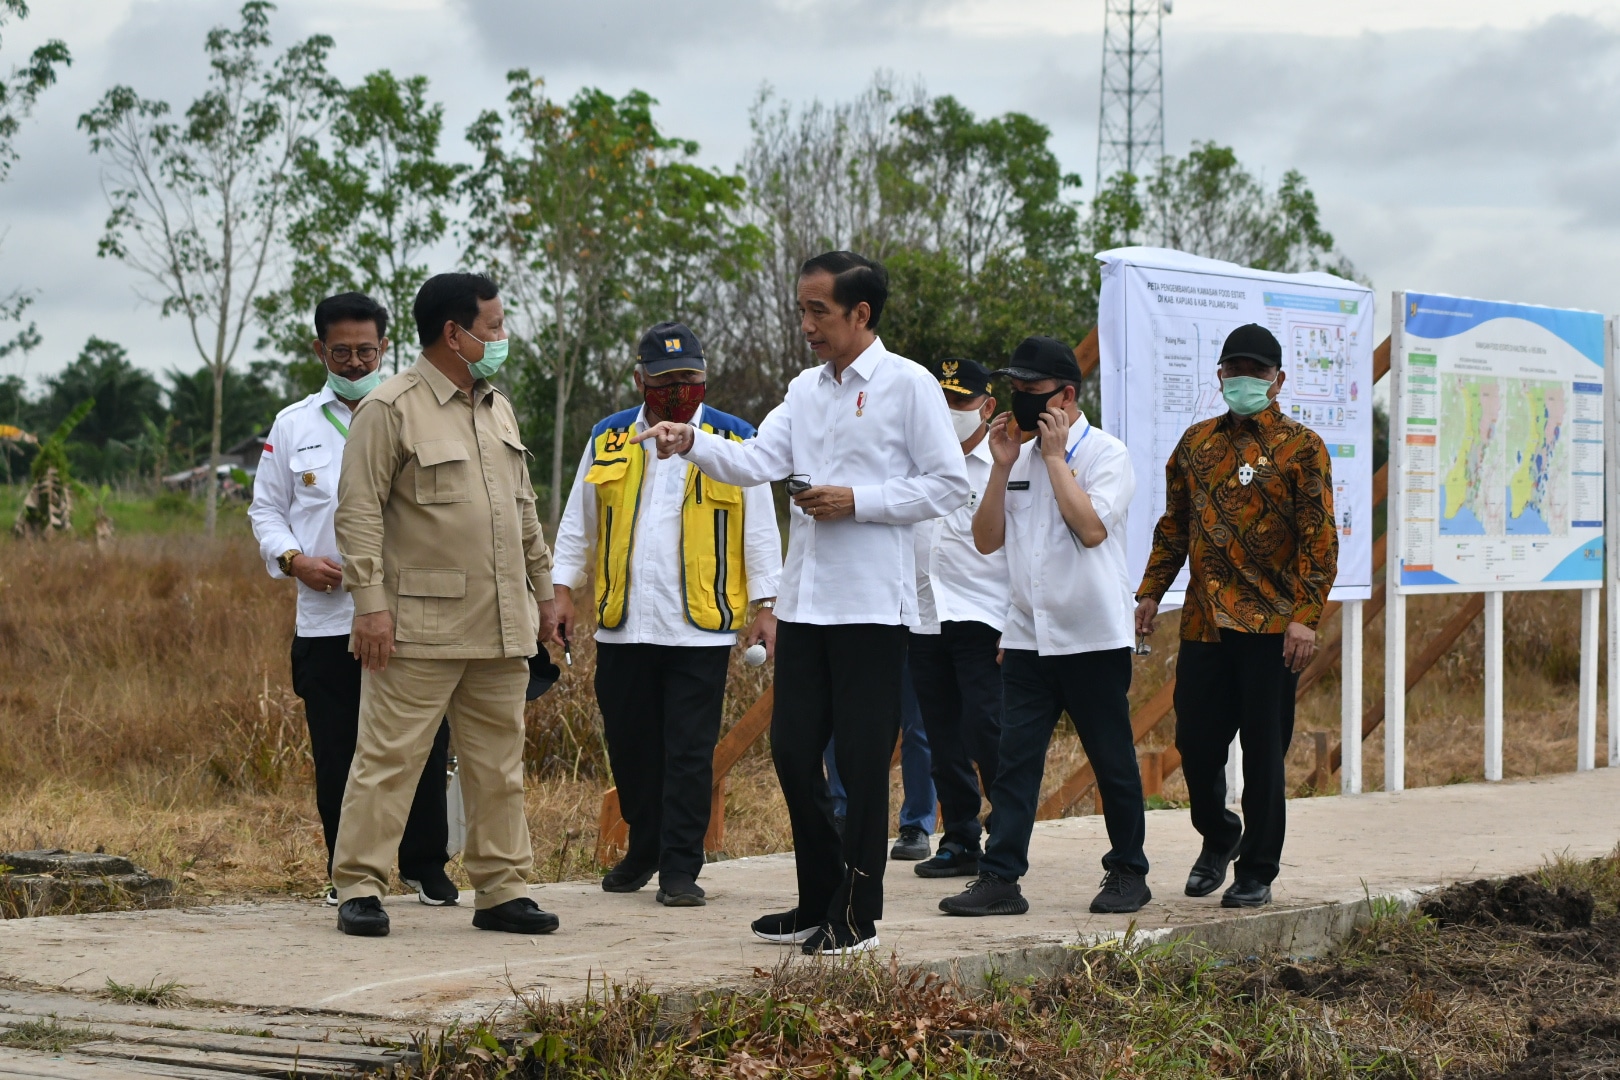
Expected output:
{"points": [[136, 514], [159, 995], [46, 1035]]}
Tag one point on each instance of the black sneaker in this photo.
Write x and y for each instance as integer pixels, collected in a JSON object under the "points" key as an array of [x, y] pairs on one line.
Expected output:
{"points": [[987, 895], [678, 890], [830, 940], [434, 888], [911, 846], [1122, 893], [951, 860], [784, 928], [520, 916], [626, 878], [363, 917], [331, 896]]}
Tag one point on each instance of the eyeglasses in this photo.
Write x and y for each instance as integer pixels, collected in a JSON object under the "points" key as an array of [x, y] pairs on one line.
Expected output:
{"points": [[343, 354]]}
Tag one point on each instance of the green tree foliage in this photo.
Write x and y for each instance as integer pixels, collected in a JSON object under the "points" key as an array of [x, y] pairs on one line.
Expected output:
{"points": [[1208, 204], [369, 201], [595, 223], [108, 443], [198, 205], [250, 404]]}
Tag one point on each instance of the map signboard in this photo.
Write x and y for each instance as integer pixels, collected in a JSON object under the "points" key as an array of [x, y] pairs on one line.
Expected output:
{"points": [[1497, 445], [1162, 319]]}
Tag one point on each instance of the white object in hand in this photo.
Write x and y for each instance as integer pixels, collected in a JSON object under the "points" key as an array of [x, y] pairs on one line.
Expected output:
{"points": [[755, 655]]}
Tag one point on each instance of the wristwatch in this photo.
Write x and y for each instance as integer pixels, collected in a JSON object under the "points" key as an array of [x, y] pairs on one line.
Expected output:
{"points": [[768, 604], [285, 560]]}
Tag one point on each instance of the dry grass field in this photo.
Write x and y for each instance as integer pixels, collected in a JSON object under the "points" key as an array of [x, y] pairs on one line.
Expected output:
{"points": [[146, 709]]}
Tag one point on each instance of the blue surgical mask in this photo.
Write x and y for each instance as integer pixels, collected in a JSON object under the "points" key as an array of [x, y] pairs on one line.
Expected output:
{"points": [[1246, 395], [494, 356], [353, 389]]}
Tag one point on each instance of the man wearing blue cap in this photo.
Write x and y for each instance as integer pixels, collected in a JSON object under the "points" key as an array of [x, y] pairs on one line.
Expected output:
{"points": [[962, 608], [679, 556]]}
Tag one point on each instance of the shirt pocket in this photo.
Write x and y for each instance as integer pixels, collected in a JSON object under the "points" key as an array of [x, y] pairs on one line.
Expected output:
{"points": [[710, 490], [441, 471], [432, 605], [314, 478], [607, 470]]}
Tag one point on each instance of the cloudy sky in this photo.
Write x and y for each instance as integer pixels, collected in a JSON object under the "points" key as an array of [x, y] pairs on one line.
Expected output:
{"points": [[1462, 146]]}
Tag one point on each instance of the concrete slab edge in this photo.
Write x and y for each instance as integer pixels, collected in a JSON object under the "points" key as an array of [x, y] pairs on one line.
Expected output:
{"points": [[1304, 932]]}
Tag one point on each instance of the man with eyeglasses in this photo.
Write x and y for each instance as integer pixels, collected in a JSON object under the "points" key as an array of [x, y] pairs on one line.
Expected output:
{"points": [[294, 500]]}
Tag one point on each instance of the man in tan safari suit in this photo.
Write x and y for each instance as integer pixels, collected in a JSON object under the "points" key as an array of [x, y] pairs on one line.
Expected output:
{"points": [[451, 579]]}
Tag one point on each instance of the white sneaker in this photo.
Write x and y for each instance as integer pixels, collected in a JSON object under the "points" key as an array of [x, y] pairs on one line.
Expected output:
{"points": [[331, 896]]}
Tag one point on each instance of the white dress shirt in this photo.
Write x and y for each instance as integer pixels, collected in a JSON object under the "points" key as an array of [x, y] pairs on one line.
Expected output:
{"points": [[1066, 597], [294, 498], [656, 602], [954, 582], [884, 431]]}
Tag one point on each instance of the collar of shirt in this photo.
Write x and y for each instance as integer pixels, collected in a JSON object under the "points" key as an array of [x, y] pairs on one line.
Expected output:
{"points": [[982, 452], [443, 388], [1264, 420], [863, 365]]}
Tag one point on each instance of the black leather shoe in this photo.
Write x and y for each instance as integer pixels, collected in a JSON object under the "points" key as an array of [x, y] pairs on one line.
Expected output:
{"points": [[1122, 893], [1247, 894], [1209, 871], [912, 846], [363, 917], [520, 916], [679, 890], [434, 888], [626, 878]]}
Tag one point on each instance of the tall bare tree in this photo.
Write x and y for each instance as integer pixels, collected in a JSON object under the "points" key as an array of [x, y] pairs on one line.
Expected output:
{"points": [[197, 204]]}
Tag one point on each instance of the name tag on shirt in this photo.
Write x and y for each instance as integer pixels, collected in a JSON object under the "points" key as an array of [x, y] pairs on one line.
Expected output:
{"points": [[1018, 485]]}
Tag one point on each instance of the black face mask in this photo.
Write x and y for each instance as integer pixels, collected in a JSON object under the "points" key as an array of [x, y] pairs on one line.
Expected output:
{"points": [[1027, 408]]}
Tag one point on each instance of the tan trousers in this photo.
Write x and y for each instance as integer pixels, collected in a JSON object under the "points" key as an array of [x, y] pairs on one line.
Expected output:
{"points": [[400, 708]]}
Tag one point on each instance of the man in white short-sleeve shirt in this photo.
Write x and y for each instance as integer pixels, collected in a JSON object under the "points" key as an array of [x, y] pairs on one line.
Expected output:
{"points": [[1058, 505]]}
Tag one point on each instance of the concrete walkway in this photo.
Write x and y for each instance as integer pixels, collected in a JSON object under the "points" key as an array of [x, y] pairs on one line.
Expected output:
{"points": [[435, 966]]}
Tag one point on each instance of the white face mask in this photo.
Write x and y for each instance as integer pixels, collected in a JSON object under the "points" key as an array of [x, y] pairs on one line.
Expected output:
{"points": [[966, 422]]}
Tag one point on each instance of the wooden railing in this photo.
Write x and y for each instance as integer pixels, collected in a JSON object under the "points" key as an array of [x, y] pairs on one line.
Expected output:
{"points": [[1155, 765]]}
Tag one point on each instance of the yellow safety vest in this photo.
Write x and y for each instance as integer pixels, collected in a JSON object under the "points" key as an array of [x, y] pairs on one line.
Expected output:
{"points": [[714, 575]]}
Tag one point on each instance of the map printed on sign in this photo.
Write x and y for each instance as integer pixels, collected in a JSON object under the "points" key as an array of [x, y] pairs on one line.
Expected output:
{"points": [[1161, 323], [1500, 445]]}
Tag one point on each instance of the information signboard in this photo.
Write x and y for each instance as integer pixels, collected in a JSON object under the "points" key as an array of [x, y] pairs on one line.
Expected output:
{"points": [[1497, 445], [1162, 319]]}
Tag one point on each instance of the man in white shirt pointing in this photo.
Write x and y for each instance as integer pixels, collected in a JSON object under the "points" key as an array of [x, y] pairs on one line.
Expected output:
{"points": [[294, 501], [866, 442]]}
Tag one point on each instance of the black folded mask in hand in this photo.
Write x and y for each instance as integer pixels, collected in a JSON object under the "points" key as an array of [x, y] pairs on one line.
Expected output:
{"points": [[542, 674]]}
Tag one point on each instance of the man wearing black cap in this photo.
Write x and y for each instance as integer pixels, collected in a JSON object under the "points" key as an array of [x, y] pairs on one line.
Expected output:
{"points": [[962, 607], [678, 558], [1249, 507], [1058, 505]]}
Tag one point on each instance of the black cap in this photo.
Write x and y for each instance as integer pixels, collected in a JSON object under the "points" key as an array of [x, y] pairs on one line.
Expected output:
{"points": [[964, 378], [542, 674], [1039, 358], [670, 346], [1253, 342]]}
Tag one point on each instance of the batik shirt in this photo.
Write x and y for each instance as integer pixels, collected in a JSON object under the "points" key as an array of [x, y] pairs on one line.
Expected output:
{"points": [[1249, 506]]}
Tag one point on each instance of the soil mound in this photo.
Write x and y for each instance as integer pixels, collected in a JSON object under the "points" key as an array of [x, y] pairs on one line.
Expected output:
{"points": [[1516, 901], [1585, 1045]]}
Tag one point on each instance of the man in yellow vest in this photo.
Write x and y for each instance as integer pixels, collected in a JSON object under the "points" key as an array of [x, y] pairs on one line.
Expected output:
{"points": [[678, 558]]}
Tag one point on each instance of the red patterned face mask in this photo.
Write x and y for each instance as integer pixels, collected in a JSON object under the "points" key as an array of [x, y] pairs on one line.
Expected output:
{"points": [[678, 402]]}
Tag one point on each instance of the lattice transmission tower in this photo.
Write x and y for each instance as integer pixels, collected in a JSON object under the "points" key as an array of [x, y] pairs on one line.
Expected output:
{"points": [[1130, 117]]}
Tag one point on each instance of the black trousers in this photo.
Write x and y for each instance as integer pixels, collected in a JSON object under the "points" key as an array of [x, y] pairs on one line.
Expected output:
{"points": [[842, 683], [1093, 687], [1238, 686], [958, 684], [661, 715], [327, 676]]}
